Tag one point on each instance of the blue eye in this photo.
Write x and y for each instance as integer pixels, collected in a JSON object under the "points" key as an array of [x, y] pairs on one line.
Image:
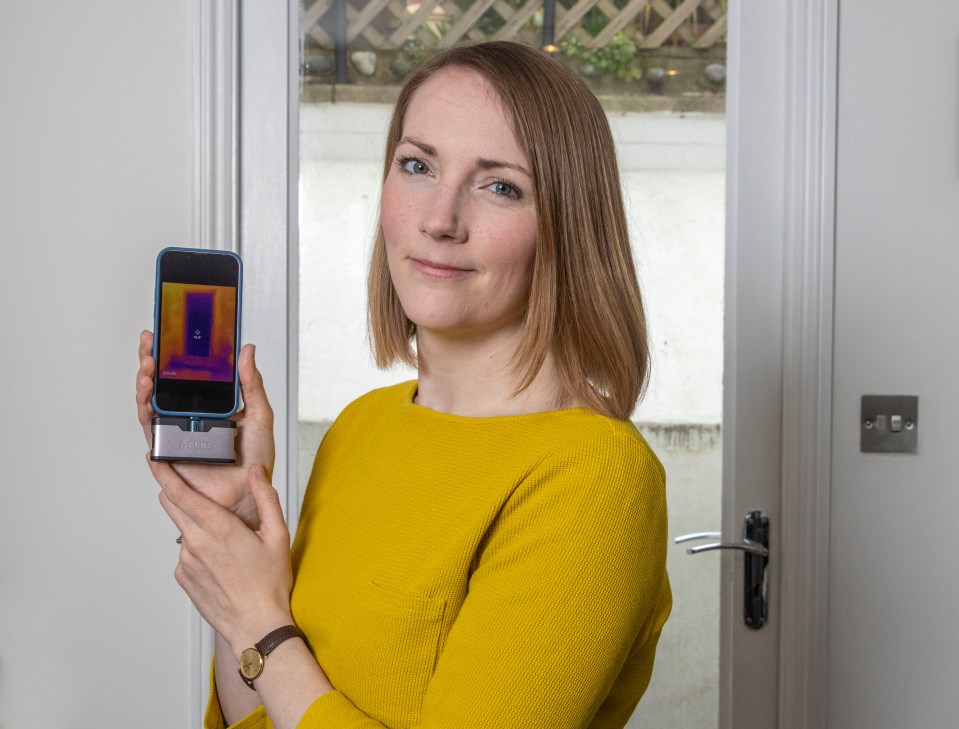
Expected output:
{"points": [[505, 189], [413, 166]]}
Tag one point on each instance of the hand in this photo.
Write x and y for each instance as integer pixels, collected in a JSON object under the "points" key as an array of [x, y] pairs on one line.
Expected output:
{"points": [[225, 484], [239, 580]]}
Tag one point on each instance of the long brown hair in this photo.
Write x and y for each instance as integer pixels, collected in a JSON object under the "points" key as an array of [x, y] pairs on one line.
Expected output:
{"points": [[585, 306]]}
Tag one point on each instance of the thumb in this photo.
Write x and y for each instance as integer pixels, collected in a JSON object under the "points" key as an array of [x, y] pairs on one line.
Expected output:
{"points": [[267, 502], [251, 383]]}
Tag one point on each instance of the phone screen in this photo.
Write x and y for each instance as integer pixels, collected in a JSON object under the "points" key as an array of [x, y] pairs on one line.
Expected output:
{"points": [[197, 328], [197, 332]]}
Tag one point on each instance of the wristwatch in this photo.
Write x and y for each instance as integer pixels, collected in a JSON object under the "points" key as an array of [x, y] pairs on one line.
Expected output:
{"points": [[253, 659]]}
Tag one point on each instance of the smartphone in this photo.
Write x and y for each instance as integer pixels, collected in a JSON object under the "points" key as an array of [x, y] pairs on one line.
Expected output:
{"points": [[196, 334]]}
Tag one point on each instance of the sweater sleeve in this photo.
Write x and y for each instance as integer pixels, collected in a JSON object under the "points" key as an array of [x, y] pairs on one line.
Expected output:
{"points": [[567, 596]]}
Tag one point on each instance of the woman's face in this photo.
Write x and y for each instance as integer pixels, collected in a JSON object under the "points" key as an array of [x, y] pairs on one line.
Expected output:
{"points": [[457, 211]]}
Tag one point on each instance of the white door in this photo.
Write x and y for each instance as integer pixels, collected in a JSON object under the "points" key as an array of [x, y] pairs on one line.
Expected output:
{"points": [[775, 433], [781, 115]]}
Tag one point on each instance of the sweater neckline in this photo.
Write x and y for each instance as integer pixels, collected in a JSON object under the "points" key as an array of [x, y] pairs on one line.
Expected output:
{"points": [[409, 392]]}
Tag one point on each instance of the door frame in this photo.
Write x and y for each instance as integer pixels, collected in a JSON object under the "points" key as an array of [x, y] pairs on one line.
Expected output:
{"points": [[246, 91], [781, 117], [781, 122]]}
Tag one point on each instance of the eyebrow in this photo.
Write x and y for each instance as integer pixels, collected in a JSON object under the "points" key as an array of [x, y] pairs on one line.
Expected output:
{"points": [[483, 164]]}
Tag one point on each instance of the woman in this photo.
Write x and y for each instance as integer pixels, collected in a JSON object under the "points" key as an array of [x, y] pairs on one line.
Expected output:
{"points": [[484, 546]]}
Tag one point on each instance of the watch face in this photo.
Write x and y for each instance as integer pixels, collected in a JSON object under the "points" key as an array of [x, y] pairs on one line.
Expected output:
{"points": [[251, 663]]}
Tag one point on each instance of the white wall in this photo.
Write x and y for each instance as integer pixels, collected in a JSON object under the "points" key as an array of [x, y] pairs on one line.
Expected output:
{"points": [[95, 177], [894, 588], [674, 182]]}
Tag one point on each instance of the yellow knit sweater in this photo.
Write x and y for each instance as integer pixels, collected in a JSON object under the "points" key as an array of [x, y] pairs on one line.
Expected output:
{"points": [[457, 572]]}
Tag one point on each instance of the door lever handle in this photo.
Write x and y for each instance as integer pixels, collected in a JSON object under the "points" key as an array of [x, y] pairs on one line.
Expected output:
{"points": [[755, 543], [698, 535], [746, 545]]}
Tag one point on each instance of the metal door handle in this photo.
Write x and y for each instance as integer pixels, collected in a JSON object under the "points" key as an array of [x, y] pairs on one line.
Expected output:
{"points": [[698, 535], [755, 543], [747, 545]]}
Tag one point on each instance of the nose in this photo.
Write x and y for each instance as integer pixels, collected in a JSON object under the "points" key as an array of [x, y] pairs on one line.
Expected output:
{"points": [[443, 214]]}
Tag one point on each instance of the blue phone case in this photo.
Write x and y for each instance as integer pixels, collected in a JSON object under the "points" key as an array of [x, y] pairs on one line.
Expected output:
{"points": [[236, 352]]}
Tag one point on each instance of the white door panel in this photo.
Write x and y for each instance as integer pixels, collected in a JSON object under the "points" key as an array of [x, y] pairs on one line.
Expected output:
{"points": [[781, 120]]}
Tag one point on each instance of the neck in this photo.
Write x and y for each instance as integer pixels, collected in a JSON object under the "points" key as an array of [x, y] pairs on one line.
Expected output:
{"points": [[476, 377]]}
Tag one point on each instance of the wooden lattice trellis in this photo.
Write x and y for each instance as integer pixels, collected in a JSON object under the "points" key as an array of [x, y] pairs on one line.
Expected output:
{"points": [[388, 24]]}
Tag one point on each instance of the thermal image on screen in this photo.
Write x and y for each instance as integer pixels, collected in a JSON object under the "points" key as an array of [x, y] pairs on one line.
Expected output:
{"points": [[197, 325]]}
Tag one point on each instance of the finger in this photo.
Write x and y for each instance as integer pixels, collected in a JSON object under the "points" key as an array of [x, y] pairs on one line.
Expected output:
{"points": [[267, 503], [144, 384], [201, 511], [145, 407], [184, 524], [255, 402], [146, 344], [180, 519]]}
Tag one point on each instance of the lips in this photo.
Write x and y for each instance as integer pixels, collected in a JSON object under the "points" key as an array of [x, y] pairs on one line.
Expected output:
{"points": [[438, 270]]}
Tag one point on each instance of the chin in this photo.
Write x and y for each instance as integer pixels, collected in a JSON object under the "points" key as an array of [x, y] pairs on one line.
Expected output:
{"points": [[433, 314]]}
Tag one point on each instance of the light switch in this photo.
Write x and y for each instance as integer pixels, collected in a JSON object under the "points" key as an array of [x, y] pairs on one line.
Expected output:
{"points": [[889, 424]]}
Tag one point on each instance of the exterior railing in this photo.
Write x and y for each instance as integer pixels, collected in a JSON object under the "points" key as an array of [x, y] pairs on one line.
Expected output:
{"points": [[433, 24]]}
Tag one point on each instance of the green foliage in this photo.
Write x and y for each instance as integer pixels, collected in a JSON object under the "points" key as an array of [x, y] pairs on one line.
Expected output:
{"points": [[490, 21], [414, 52], [594, 21], [617, 58]]}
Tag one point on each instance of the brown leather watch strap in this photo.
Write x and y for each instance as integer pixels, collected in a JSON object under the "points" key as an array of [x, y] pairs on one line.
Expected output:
{"points": [[272, 639], [254, 659]]}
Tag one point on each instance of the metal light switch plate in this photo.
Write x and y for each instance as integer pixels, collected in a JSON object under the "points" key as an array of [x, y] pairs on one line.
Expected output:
{"points": [[889, 424]]}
